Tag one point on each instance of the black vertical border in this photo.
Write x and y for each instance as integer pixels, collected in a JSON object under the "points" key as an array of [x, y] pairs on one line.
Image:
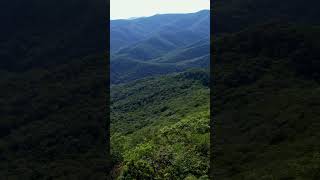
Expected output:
{"points": [[107, 61], [211, 170]]}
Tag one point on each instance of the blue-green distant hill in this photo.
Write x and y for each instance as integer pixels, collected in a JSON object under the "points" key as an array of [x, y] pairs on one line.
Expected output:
{"points": [[159, 45]]}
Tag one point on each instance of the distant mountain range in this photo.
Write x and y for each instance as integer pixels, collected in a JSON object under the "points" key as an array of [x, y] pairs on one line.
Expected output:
{"points": [[158, 45], [124, 33]]}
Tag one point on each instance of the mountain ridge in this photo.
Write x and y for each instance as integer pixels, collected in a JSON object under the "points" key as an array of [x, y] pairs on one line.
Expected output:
{"points": [[146, 26], [179, 37]]}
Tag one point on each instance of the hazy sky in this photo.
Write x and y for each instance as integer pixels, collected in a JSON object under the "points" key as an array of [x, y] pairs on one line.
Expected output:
{"points": [[123, 9]]}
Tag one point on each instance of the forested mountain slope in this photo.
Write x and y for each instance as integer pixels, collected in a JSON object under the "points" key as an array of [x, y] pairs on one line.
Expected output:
{"points": [[195, 55], [156, 133]]}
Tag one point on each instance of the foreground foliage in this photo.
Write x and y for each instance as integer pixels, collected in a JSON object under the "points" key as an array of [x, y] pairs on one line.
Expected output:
{"points": [[160, 127]]}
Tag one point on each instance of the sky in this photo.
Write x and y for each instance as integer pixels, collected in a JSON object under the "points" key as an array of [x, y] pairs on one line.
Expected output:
{"points": [[124, 9]]}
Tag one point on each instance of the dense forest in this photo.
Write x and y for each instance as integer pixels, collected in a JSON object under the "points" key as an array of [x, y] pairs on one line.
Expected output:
{"points": [[160, 97], [265, 104], [156, 133]]}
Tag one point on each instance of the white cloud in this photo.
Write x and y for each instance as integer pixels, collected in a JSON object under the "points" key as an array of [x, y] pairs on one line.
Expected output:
{"points": [[123, 9]]}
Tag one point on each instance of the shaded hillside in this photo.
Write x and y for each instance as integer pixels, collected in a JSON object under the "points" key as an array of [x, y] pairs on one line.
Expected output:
{"points": [[154, 129], [125, 69], [195, 50], [266, 103]]}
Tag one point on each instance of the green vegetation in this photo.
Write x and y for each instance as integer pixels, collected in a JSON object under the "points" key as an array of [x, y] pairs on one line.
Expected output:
{"points": [[160, 127]]}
